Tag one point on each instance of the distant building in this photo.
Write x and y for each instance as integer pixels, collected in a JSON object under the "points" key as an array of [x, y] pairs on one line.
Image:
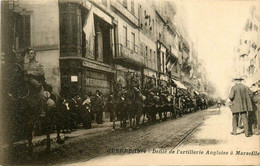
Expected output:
{"points": [[247, 52]]}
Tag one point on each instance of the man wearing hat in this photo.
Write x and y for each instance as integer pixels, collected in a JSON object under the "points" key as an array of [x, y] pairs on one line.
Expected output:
{"points": [[241, 104]]}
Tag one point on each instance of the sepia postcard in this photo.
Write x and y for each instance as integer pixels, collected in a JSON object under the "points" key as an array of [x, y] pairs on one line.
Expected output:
{"points": [[130, 82]]}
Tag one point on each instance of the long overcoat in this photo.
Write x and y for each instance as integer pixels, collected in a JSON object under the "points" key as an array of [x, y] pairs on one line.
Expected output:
{"points": [[240, 95]]}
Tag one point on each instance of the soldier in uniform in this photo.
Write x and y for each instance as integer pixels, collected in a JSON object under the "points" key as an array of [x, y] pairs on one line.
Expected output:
{"points": [[112, 106], [73, 106], [118, 89], [34, 76], [121, 109], [99, 106], [149, 85], [33, 70]]}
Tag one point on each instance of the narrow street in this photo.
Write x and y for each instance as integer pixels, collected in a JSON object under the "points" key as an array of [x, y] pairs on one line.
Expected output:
{"points": [[104, 142], [70, 68]]}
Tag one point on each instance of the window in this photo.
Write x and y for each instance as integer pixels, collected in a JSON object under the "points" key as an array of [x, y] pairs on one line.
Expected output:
{"points": [[132, 7], [153, 25], [145, 18], [22, 31], [133, 41], [125, 36], [146, 51]]}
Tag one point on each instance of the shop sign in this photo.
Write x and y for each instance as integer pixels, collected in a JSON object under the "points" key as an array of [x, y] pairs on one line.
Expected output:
{"points": [[97, 67], [74, 78], [97, 83]]}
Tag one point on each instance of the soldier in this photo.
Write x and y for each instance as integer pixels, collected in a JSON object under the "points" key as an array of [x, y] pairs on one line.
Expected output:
{"points": [[33, 70], [149, 85], [73, 106], [34, 76], [99, 106], [112, 105], [121, 109], [118, 89]]}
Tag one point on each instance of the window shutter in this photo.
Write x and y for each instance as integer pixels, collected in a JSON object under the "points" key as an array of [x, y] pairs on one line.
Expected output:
{"points": [[27, 31]]}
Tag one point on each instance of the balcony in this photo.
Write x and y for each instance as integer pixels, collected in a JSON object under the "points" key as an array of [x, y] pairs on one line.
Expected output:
{"points": [[129, 56]]}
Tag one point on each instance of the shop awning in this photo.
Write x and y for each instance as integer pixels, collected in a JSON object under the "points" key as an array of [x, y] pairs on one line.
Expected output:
{"points": [[179, 84]]}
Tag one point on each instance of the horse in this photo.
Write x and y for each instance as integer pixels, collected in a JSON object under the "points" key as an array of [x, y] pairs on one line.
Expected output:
{"points": [[150, 107], [162, 106], [29, 102]]}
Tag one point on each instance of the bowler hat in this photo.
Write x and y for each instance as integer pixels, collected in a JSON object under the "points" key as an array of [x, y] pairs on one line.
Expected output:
{"points": [[238, 78]]}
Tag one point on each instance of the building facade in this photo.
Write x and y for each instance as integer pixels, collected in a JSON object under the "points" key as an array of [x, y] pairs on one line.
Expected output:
{"points": [[89, 45], [247, 51]]}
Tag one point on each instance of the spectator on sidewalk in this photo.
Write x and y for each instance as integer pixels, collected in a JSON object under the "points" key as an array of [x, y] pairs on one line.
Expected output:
{"points": [[240, 97], [64, 108], [254, 118], [86, 113]]}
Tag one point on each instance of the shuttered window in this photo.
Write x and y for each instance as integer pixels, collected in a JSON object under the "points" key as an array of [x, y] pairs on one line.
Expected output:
{"points": [[22, 31]]}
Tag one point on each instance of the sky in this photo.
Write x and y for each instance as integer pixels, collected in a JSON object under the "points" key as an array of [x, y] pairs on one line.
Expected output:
{"points": [[215, 27]]}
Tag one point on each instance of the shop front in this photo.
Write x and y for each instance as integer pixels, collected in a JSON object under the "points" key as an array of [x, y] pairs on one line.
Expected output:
{"points": [[97, 77], [81, 77]]}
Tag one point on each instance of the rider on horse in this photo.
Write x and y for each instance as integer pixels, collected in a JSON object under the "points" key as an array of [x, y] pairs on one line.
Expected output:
{"points": [[34, 73]]}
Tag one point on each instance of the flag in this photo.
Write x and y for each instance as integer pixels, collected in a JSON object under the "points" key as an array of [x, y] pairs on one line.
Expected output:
{"points": [[89, 30]]}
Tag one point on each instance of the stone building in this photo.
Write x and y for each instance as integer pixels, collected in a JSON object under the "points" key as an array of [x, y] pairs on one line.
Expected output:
{"points": [[247, 51], [87, 45]]}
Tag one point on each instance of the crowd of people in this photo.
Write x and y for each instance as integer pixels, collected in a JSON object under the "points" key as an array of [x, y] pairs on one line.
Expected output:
{"points": [[245, 107]]}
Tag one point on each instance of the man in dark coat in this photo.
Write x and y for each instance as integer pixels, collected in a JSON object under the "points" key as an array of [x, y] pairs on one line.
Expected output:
{"points": [[99, 106], [255, 123], [241, 104], [112, 109]]}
